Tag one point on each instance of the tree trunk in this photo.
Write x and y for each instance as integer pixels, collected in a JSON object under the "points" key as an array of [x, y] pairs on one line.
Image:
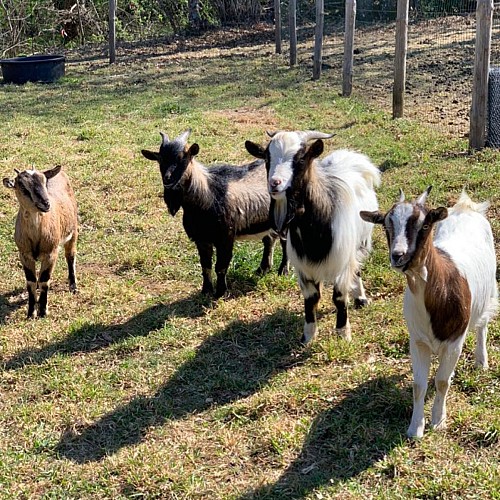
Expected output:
{"points": [[194, 17]]}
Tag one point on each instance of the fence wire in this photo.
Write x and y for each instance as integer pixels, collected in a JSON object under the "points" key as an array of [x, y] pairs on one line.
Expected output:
{"points": [[440, 58]]}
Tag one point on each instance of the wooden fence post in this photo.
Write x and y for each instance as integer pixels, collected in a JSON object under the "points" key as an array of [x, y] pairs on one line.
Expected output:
{"points": [[347, 66], [318, 38], [398, 90], [112, 31], [277, 25], [292, 22], [479, 106]]}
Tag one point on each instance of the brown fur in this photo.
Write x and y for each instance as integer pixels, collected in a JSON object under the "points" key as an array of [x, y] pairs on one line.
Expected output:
{"points": [[41, 233], [447, 297], [38, 234]]}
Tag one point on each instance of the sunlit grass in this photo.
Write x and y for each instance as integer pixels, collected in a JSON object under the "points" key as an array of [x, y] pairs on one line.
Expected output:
{"points": [[141, 387]]}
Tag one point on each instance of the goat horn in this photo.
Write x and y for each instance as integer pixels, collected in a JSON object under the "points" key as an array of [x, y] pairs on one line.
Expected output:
{"points": [[309, 135], [401, 195], [182, 138], [423, 197], [271, 134], [17, 171], [164, 138]]}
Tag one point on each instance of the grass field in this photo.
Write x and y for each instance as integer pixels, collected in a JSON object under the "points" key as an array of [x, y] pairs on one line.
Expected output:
{"points": [[139, 387]]}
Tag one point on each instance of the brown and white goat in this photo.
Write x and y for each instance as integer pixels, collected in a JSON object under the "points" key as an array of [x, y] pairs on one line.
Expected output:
{"points": [[451, 289], [47, 218]]}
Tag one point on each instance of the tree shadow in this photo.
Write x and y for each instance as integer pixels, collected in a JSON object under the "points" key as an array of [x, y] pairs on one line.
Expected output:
{"points": [[229, 365], [95, 336], [345, 440]]}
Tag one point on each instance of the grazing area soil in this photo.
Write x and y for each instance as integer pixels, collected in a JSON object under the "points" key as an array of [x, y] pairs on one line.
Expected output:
{"points": [[141, 387]]}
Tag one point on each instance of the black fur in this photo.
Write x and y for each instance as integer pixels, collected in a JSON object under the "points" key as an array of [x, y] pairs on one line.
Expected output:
{"points": [[212, 218]]}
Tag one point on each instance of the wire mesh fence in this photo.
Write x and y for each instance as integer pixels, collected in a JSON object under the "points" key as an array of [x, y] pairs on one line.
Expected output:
{"points": [[440, 58]]}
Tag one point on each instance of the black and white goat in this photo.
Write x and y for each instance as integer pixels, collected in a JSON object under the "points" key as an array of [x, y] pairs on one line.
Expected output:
{"points": [[451, 288], [221, 204], [47, 218], [318, 201]]}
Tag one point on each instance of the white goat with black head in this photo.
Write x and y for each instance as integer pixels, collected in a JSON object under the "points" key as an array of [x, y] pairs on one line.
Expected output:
{"points": [[47, 218], [221, 204], [451, 288], [318, 202]]}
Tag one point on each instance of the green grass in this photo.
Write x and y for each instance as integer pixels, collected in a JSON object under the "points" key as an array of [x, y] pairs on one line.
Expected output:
{"points": [[139, 387]]}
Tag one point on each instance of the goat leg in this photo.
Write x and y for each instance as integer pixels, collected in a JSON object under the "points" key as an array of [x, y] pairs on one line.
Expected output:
{"points": [[47, 266], [312, 294], [29, 266], [267, 256], [205, 251], [284, 267], [343, 326], [224, 256], [70, 254]]}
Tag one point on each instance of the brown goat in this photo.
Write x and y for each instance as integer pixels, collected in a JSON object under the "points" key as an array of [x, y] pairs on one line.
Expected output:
{"points": [[47, 218]]}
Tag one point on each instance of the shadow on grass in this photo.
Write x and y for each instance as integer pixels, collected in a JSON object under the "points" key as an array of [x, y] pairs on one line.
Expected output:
{"points": [[8, 305], [92, 337], [345, 440], [231, 364]]}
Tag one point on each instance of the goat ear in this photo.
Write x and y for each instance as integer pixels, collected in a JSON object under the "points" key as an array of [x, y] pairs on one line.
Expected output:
{"points": [[150, 155], [255, 149], [8, 183], [316, 148], [373, 217], [436, 214], [194, 149], [52, 172]]}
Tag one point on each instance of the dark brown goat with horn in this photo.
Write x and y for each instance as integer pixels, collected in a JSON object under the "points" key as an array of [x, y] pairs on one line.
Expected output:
{"points": [[221, 204]]}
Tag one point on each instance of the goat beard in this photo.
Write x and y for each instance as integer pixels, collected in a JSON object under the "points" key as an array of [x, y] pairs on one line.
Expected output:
{"points": [[281, 214], [173, 199]]}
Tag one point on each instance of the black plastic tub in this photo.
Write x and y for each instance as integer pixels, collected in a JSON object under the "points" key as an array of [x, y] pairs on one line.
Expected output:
{"points": [[45, 68]]}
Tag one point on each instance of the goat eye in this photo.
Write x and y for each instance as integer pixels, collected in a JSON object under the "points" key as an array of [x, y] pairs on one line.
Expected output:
{"points": [[425, 227]]}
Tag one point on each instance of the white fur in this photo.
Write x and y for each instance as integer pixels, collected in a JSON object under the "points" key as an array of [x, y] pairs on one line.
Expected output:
{"points": [[466, 237], [353, 177], [282, 149]]}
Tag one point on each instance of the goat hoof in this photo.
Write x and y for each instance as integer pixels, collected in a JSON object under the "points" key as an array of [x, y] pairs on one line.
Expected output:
{"points": [[73, 288], [360, 303], [441, 425], [345, 332], [283, 271], [481, 365], [310, 331], [261, 271]]}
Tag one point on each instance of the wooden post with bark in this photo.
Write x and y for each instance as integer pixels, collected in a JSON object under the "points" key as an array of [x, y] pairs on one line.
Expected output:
{"points": [[347, 66], [112, 31], [400, 59], [318, 39], [479, 106], [292, 22], [277, 25]]}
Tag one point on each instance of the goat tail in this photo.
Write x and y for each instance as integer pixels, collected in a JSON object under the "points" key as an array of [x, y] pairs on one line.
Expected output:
{"points": [[371, 174], [465, 203]]}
